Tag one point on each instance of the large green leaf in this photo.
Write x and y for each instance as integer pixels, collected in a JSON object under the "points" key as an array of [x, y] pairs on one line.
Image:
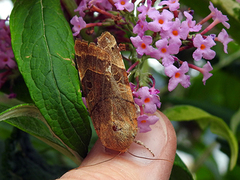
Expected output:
{"points": [[28, 118], [204, 119], [235, 122], [44, 50], [180, 170]]}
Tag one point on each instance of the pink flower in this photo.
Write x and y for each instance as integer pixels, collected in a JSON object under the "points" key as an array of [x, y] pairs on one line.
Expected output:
{"points": [[124, 4], [102, 4], [205, 71], [176, 32], [173, 5], [6, 60], [152, 91], [145, 10], [144, 121], [5, 34], [82, 7], [218, 16], [78, 24], [5, 39], [224, 38], [2, 23], [149, 101], [191, 24], [178, 76], [160, 21], [133, 89], [132, 86], [165, 51], [203, 48], [140, 27], [142, 44]]}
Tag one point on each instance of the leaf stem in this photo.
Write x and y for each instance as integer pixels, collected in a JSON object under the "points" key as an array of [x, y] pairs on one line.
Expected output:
{"points": [[70, 6], [198, 163]]}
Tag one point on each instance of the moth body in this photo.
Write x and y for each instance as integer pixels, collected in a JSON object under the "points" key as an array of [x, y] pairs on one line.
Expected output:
{"points": [[106, 87]]}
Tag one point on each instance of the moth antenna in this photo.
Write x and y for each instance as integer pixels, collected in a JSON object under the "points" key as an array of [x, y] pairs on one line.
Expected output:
{"points": [[141, 144], [149, 158], [101, 161]]}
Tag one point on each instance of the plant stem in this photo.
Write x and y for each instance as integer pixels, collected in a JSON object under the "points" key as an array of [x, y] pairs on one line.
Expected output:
{"points": [[203, 156], [70, 5]]}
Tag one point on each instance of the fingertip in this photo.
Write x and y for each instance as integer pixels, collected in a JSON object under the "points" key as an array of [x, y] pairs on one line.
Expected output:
{"points": [[161, 140], [161, 136]]}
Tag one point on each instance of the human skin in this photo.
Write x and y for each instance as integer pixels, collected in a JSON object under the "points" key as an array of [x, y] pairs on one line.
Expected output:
{"points": [[102, 164]]}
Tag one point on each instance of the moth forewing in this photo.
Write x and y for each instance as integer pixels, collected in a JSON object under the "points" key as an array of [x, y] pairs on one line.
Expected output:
{"points": [[106, 87]]}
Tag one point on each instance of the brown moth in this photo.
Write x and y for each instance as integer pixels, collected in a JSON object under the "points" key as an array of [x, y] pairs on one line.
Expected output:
{"points": [[106, 87]]}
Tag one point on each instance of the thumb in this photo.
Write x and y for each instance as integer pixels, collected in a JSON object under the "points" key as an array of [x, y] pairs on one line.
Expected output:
{"points": [[161, 140]]}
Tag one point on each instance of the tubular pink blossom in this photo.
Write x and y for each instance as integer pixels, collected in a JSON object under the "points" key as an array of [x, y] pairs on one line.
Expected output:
{"points": [[78, 24], [173, 5], [144, 121], [124, 4], [178, 76], [224, 38], [142, 44], [205, 71], [203, 48]]}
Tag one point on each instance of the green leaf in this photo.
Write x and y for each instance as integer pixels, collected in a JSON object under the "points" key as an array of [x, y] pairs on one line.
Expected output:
{"points": [[180, 170], [21, 161], [29, 119], [217, 125], [219, 90], [235, 122], [44, 50]]}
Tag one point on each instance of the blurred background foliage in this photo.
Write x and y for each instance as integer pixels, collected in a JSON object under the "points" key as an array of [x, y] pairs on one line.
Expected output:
{"points": [[205, 154]]}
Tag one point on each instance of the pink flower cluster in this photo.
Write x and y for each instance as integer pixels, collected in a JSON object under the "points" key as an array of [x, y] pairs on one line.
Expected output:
{"points": [[170, 31], [100, 6], [148, 101], [6, 54]]}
